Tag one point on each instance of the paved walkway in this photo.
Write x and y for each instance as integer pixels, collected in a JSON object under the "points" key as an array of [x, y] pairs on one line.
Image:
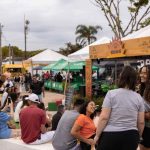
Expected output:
{"points": [[49, 97], [52, 97]]}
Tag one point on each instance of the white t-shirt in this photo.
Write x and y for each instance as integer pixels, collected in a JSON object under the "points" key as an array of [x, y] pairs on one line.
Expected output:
{"points": [[125, 105], [17, 111]]}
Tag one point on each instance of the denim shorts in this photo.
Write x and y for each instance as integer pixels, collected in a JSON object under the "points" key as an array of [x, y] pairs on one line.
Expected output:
{"points": [[5, 134]]}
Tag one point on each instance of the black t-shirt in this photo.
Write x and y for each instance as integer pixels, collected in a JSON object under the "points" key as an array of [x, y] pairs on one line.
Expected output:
{"points": [[28, 78], [55, 120], [37, 87], [17, 79]]}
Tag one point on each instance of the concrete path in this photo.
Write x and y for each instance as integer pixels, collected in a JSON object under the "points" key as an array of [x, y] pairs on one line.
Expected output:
{"points": [[17, 144]]}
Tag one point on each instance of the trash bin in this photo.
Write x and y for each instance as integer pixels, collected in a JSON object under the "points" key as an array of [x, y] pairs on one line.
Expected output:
{"points": [[82, 90], [52, 106]]}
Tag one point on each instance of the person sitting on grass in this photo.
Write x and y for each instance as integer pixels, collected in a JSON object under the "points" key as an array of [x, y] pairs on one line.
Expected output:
{"points": [[32, 123], [6, 122], [84, 128], [63, 140], [57, 117]]}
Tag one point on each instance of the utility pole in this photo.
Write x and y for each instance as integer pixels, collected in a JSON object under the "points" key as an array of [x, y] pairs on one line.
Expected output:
{"points": [[9, 54], [12, 55], [1, 59], [26, 29], [25, 42]]}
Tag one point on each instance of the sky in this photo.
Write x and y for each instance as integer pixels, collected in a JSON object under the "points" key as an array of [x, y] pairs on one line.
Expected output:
{"points": [[52, 22]]}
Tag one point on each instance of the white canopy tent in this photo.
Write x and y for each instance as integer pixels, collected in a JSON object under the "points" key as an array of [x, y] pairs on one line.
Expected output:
{"points": [[83, 54], [46, 57], [144, 32]]}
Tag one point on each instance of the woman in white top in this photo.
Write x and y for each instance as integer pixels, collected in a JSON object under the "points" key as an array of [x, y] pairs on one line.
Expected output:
{"points": [[21, 104], [121, 121]]}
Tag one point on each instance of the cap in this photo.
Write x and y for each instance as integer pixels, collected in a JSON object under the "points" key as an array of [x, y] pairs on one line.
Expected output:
{"points": [[33, 97]]}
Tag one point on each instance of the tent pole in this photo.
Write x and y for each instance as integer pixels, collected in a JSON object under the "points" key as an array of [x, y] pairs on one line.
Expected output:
{"points": [[67, 78], [116, 72], [31, 67], [65, 85], [69, 72], [23, 66]]}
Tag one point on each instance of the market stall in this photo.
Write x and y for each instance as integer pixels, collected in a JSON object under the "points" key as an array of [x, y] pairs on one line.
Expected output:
{"points": [[55, 67], [135, 46], [64, 66]]}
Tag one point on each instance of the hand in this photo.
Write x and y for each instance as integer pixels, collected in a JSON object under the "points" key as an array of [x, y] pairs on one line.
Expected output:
{"points": [[49, 116], [11, 125], [7, 105], [90, 142], [96, 138]]}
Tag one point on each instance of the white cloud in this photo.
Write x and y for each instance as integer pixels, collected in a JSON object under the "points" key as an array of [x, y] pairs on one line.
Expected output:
{"points": [[52, 22]]}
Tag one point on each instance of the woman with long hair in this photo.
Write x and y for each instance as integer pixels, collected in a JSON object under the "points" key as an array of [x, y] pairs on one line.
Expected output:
{"points": [[122, 117], [144, 74], [144, 77], [84, 128]]}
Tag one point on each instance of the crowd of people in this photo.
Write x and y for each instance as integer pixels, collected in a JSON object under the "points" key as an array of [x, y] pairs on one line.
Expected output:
{"points": [[62, 76], [123, 122]]}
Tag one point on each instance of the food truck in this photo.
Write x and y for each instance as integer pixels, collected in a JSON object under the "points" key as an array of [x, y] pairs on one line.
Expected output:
{"points": [[14, 69]]}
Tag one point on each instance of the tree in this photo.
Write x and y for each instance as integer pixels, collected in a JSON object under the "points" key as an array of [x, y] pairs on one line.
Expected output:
{"points": [[17, 52], [70, 48], [35, 52], [86, 34], [139, 12]]}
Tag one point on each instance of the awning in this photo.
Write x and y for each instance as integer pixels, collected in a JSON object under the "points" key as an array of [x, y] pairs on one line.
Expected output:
{"points": [[76, 66], [13, 66], [59, 65], [38, 68], [48, 67]]}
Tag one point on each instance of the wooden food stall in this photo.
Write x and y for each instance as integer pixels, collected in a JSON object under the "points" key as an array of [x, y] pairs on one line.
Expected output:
{"points": [[118, 49]]}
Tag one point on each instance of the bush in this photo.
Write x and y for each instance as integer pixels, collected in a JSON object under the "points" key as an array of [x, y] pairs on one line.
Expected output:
{"points": [[98, 101]]}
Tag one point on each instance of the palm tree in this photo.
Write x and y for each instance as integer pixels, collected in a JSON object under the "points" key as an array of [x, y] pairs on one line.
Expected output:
{"points": [[70, 48], [86, 33]]}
